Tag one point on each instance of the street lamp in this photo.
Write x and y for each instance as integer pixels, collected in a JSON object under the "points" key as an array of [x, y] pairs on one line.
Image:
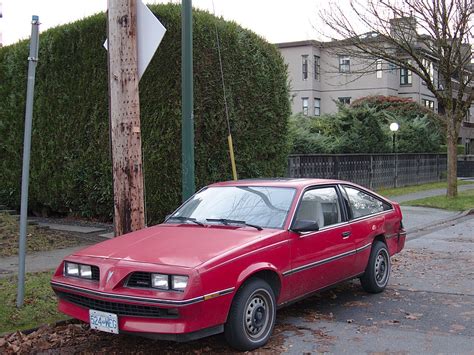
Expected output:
{"points": [[394, 128]]}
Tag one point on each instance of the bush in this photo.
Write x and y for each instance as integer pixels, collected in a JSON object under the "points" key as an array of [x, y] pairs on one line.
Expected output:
{"points": [[363, 127], [70, 163]]}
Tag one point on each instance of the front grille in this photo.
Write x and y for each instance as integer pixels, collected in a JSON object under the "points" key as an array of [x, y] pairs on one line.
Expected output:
{"points": [[95, 272], [139, 279], [122, 309]]}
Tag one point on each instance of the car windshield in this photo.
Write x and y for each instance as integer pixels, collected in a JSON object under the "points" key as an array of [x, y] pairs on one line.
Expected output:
{"points": [[260, 206]]}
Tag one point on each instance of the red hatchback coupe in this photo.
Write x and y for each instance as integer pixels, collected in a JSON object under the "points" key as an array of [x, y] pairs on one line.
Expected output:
{"points": [[229, 257]]}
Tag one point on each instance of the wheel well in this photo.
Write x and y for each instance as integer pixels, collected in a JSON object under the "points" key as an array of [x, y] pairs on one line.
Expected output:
{"points": [[381, 238], [269, 276]]}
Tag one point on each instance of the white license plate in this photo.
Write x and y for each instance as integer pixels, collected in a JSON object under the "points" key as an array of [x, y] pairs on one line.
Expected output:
{"points": [[106, 322]]}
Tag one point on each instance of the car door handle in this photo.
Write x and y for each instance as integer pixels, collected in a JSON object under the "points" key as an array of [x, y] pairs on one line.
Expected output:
{"points": [[346, 235]]}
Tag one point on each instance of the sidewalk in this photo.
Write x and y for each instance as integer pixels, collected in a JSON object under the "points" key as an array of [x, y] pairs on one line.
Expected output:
{"points": [[36, 262], [427, 193]]}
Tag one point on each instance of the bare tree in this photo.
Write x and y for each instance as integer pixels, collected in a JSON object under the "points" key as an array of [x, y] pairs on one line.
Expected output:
{"points": [[431, 38]]}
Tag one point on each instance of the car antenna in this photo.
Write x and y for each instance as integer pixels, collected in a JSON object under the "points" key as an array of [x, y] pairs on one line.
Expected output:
{"points": [[229, 136]]}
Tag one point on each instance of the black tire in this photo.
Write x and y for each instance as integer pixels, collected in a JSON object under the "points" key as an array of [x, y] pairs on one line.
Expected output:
{"points": [[377, 272], [252, 316]]}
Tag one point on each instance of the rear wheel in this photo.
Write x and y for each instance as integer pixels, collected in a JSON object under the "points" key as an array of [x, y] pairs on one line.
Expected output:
{"points": [[252, 316], [377, 273]]}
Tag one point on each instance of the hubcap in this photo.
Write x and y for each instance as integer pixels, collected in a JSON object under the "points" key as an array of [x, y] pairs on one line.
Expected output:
{"points": [[381, 268], [258, 314]]}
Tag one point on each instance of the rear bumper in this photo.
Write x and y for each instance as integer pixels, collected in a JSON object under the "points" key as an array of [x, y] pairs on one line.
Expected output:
{"points": [[402, 235]]}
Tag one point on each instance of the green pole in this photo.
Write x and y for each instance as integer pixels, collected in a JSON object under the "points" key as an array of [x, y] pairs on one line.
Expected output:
{"points": [[187, 130]]}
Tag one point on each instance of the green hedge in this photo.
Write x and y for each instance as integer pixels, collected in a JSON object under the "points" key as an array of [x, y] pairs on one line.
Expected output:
{"points": [[70, 163]]}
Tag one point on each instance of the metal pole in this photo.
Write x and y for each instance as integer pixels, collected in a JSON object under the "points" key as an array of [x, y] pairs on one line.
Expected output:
{"points": [[187, 129], [396, 157], [32, 61]]}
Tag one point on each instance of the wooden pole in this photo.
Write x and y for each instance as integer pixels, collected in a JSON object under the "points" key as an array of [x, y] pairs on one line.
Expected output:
{"points": [[124, 115]]}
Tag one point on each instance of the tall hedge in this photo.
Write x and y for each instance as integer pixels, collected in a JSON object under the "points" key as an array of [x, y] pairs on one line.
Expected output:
{"points": [[70, 162]]}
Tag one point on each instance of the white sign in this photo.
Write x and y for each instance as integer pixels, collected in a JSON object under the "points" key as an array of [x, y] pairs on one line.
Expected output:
{"points": [[150, 32]]}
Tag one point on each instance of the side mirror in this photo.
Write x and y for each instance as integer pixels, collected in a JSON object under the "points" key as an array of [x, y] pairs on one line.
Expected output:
{"points": [[304, 225]]}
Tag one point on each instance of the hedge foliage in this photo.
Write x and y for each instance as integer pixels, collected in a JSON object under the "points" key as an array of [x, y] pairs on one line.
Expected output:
{"points": [[363, 127], [70, 162]]}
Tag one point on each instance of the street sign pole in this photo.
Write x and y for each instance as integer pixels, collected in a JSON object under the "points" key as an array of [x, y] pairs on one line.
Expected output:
{"points": [[32, 61], [187, 129]]}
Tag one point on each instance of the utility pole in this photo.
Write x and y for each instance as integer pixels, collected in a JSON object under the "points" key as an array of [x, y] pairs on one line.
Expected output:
{"points": [[187, 128], [124, 115], [25, 176]]}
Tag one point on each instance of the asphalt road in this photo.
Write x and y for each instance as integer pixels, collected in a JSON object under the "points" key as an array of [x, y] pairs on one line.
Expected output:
{"points": [[428, 308]]}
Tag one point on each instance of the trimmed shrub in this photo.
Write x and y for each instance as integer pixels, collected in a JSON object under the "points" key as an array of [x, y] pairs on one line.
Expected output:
{"points": [[363, 127], [70, 163]]}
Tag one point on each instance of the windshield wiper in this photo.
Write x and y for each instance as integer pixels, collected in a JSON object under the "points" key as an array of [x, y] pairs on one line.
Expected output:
{"points": [[185, 219], [227, 221]]}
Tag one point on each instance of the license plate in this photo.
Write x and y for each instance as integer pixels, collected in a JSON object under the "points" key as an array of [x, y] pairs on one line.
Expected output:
{"points": [[106, 322]]}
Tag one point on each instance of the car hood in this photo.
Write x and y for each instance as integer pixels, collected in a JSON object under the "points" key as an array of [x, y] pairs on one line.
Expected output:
{"points": [[179, 245]]}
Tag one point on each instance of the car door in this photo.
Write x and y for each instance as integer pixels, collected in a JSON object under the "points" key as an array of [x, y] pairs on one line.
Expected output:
{"points": [[367, 220], [323, 257]]}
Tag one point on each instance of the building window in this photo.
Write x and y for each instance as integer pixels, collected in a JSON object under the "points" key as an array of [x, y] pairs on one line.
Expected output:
{"points": [[429, 68], [392, 67], [344, 64], [317, 107], [305, 106], [317, 67], [428, 104], [378, 68], [405, 76], [304, 59], [345, 100]]}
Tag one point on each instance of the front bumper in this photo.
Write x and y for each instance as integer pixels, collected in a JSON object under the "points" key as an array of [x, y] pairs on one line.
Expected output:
{"points": [[157, 318]]}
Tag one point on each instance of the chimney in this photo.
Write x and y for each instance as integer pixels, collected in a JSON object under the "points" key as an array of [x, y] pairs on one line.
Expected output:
{"points": [[403, 28]]}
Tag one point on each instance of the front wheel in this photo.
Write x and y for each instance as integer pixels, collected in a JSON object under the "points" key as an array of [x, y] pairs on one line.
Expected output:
{"points": [[377, 273], [251, 317]]}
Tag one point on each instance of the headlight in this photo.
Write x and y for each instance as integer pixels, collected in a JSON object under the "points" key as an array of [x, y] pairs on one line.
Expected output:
{"points": [[71, 269], [78, 270], [85, 271], [160, 281], [169, 282], [179, 283]]}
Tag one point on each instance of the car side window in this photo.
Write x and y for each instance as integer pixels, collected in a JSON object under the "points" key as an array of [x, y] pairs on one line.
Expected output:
{"points": [[363, 204], [320, 205]]}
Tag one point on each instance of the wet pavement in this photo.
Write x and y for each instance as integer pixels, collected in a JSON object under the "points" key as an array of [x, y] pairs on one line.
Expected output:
{"points": [[427, 308]]}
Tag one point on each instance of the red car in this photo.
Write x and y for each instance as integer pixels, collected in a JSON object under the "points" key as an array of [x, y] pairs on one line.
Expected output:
{"points": [[229, 256]]}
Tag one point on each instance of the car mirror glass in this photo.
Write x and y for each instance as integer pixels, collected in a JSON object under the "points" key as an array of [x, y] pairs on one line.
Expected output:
{"points": [[304, 225]]}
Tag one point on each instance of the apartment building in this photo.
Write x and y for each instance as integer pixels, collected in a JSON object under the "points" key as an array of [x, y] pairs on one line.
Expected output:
{"points": [[320, 76]]}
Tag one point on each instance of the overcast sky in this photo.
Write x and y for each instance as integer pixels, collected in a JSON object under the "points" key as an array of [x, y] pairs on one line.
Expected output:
{"points": [[277, 20]]}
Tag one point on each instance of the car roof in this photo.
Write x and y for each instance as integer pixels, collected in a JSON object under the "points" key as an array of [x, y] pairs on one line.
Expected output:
{"points": [[278, 182]]}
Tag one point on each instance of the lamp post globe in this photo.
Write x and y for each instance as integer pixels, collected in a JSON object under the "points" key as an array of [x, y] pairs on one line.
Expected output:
{"points": [[394, 128]]}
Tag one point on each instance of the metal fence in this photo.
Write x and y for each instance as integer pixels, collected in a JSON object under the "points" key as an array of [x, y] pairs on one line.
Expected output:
{"points": [[371, 170], [466, 166]]}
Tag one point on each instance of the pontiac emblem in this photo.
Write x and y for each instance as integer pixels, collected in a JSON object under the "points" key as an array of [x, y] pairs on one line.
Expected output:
{"points": [[109, 276]]}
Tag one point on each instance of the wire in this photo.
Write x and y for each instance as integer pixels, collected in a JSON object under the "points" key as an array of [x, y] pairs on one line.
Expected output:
{"points": [[221, 69], [229, 137]]}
